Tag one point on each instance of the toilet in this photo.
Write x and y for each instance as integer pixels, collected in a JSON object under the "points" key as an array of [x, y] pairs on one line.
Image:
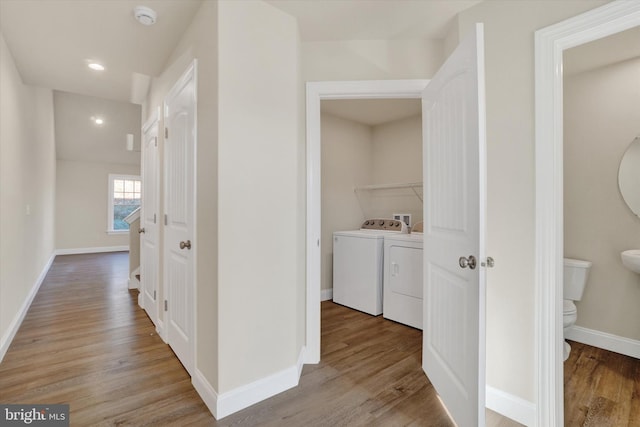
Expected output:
{"points": [[576, 274]]}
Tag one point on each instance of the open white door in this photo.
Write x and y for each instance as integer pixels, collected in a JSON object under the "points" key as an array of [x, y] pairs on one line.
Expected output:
{"points": [[179, 196], [149, 221], [453, 109]]}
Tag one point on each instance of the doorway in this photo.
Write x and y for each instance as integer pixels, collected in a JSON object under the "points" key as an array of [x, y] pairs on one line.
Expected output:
{"points": [[550, 43], [316, 92]]}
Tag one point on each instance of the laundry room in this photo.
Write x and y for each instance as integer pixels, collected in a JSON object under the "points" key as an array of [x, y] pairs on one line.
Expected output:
{"points": [[371, 168]]}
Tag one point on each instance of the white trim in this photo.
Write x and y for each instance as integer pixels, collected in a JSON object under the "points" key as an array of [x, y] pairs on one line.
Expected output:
{"points": [[117, 232], [317, 91], [222, 405], [134, 283], [511, 406], [8, 336], [160, 330], [326, 295], [96, 250], [604, 340], [550, 43], [206, 391]]}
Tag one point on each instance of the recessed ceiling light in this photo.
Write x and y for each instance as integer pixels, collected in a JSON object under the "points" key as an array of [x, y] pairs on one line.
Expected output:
{"points": [[95, 66], [98, 121]]}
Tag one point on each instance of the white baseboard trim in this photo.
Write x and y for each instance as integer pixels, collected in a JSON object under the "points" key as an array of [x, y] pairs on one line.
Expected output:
{"points": [[511, 406], [615, 343], [326, 294], [7, 338], [222, 405], [206, 391], [95, 250]]}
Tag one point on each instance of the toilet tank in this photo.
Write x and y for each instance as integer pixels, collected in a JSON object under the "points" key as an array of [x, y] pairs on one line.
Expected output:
{"points": [[576, 274]]}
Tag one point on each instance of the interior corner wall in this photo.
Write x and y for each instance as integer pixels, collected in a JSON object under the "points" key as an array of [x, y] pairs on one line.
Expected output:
{"points": [[258, 192], [346, 164], [601, 119], [397, 158], [371, 59], [82, 190], [509, 66], [200, 41], [27, 189]]}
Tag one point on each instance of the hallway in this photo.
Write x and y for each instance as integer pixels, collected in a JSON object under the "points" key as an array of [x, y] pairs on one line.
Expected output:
{"points": [[86, 342]]}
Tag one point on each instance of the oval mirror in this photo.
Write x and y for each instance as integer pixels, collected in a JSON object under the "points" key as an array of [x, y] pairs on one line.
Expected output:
{"points": [[629, 176]]}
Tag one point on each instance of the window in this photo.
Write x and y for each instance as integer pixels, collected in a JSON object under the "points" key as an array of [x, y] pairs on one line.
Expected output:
{"points": [[124, 198]]}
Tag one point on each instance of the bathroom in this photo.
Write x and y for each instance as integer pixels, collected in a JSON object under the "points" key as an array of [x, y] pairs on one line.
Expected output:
{"points": [[601, 122]]}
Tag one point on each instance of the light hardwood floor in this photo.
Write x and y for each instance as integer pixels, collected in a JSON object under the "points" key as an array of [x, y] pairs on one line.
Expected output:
{"points": [[86, 342], [602, 388]]}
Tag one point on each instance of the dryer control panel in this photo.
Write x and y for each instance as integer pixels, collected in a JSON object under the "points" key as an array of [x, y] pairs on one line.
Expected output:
{"points": [[384, 225]]}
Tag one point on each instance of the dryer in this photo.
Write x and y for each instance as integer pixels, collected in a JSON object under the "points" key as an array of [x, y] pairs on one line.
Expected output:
{"points": [[403, 274], [358, 260]]}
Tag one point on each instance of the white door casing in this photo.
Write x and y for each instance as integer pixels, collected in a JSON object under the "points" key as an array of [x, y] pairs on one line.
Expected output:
{"points": [[550, 44], [316, 92], [179, 234], [454, 171], [150, 219]]}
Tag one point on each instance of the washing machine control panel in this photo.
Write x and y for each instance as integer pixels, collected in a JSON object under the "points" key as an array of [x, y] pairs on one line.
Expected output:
{"points": [[385, 225]]}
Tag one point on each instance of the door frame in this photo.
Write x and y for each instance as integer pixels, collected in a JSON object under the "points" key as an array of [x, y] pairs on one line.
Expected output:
{"points": [[550, 43], [316, 92]]}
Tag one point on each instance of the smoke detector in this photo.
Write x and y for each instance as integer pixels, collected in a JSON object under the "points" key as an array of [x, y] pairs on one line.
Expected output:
{"points": [[144, 15]]}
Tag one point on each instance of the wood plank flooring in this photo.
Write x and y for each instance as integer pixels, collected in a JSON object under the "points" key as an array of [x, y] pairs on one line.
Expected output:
{"points": [[602, 388], [86, 342]]}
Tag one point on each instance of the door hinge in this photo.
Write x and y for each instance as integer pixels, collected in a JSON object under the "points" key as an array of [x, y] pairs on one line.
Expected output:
{"points": [[156, 141], [166, 133], [154, 218], [166, 305], [165, 219], [154, 295]]}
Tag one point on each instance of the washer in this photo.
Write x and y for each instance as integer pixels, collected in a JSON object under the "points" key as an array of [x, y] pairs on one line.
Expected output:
{"points": [[358, 260], [403, 285]]}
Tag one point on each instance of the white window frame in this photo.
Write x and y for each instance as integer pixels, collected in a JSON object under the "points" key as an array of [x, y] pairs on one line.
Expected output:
{"points": [[112, 178]]}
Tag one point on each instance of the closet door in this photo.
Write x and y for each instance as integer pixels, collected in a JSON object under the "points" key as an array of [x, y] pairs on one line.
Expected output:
{"points": [[454, 214], [179, 197], [149, 223]]}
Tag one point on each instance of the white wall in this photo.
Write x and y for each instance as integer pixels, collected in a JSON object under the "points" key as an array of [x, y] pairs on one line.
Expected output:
{"points": [[371, 59], [601, 118], [82, 189], [509, 32], [346, 163], [355, 154], [258, 192], [27, 179], [199, 41], [397, 158]]}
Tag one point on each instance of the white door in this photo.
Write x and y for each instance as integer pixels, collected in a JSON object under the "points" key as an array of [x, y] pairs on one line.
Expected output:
{"points": [[149, 220], [179, 243], [453, 109]]}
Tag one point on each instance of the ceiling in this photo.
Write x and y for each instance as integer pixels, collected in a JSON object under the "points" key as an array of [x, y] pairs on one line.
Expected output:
{"points": [[372, 112], [79, 138], [52, 40]]}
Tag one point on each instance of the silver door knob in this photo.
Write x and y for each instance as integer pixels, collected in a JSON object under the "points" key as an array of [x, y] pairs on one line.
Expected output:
{"points": [[140, 230], [490, 263], [186, 244], [467, 262]]}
